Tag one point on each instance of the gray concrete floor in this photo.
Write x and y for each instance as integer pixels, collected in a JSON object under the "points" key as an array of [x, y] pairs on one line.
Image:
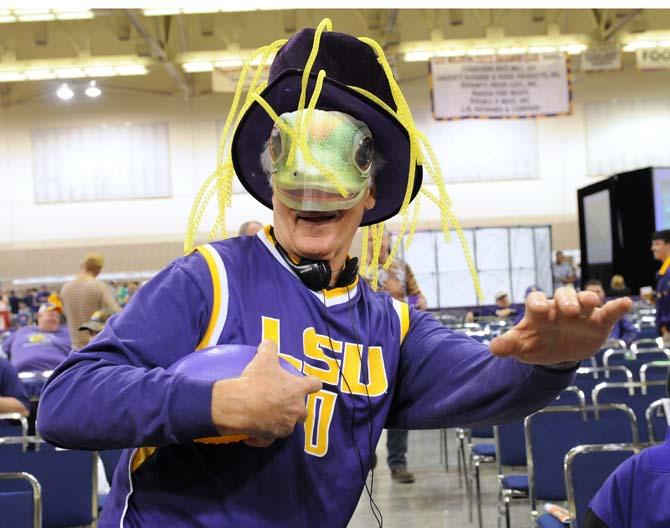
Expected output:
{"points": [[435, 499]]}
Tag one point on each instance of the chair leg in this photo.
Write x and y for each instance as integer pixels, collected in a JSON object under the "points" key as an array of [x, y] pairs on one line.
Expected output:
{"points": [[446, 450], [479, 494], [468, 489], [508, 523]]}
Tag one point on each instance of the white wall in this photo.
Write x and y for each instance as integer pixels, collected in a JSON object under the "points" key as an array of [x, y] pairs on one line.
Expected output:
{"points": [[551, 197]]}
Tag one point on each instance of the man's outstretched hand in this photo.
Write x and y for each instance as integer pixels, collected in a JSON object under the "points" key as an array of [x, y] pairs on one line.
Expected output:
{"points": [[570, 327]]}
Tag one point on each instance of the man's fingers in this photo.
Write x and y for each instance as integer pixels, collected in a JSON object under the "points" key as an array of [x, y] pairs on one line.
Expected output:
{"points": [[588, 302], [537, 304], [311, 384], [259, 442], [567, 302], [614, 310], [266, 353]]}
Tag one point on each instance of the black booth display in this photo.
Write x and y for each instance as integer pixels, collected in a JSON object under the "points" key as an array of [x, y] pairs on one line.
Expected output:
{"points": [[617, 217]]}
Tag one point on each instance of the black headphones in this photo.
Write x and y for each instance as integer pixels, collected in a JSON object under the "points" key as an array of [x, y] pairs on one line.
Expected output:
{"points": [[316, 274]]}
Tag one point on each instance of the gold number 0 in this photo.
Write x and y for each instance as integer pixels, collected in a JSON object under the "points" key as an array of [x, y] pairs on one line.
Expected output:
{"points": [[320, 408]]}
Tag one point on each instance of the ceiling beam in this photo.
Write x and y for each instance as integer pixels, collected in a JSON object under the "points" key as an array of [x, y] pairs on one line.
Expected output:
{"points": [[611, 30], [159, 53]]}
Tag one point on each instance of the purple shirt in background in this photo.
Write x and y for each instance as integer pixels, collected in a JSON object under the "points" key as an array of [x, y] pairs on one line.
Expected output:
{"points": [[31, 349], [636, 493]]}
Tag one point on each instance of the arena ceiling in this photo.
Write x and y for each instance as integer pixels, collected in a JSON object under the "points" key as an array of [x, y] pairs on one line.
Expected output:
{"points": [[135, 51]]}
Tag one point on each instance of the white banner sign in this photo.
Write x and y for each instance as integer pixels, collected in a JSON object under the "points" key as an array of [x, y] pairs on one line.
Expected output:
{"points": [[500, 86], [653, 59], [601, 58]]}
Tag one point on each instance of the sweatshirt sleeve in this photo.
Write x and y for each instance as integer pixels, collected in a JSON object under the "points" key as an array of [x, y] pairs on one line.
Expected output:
{"points": [[116, 392], [446, 379]]}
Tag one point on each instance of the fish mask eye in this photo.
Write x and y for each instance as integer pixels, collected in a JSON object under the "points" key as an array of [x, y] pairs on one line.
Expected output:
{"points": [[363, 151], [276, 144]]}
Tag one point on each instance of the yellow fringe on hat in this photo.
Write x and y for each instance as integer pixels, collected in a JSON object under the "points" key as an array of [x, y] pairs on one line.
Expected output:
{"points": [[219, 183]]}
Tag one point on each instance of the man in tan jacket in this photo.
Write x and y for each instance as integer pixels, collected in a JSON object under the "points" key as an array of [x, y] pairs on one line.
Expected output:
{"points": [[85, 295]]}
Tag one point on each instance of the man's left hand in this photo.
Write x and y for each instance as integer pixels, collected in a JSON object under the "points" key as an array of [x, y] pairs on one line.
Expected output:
{"points": [[570, 327]]}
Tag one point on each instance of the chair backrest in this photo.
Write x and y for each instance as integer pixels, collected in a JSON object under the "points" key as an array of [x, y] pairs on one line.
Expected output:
{"points": [[586, 468], [634, 359], [33, 383], [571, 395], [68, 480], [553, 431], [21, 509], [610, 344], [638, 396], [480, 336], [654, 370], [11, 426], [110, 459], [647, 342], [588, 377], [657, 421], [482, 431]]}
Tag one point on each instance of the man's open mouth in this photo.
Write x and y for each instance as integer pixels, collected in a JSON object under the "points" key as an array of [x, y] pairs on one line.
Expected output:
{"points": [[318, 217]]}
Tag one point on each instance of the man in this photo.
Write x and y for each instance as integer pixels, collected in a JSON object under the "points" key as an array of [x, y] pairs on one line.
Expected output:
{"points": [[564, 273], [84, 295], [637, 492], [96, 323], [42, 347], [250, 228], [369, 361], [623, 329], [660, 247], [13, 398], [399, 282]]}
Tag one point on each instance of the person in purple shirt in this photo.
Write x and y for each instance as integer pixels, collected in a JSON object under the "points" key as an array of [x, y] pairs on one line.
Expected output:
{"points": [[637, 493], [13, 398], [624, 328], [41, 347], [369, 361]]}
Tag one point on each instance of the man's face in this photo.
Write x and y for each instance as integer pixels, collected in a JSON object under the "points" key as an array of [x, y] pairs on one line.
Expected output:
{"points": [[559, 258], [503, 302], [598, 290], [48, 321], [318, 235], [660, 249]]}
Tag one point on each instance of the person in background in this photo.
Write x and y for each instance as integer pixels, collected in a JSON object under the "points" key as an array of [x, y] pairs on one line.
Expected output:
{"points": [[42, 296], [646, 300], [5, 319], [503, 308], [660, 247], [564, 273], [623, 328], [42, 347], [250, 228], [24, 317], [122, 295], [399, 282], [96, 323], [13, 302], [637, 492], [618, 287], [13, 397], [83, 296], [29, 299]]}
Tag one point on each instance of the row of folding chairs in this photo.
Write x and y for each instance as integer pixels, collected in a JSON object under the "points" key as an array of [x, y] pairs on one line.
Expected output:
{"points": [[640, 399], [42, 486]]}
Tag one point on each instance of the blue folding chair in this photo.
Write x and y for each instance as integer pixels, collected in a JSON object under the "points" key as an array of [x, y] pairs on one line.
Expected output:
{"points": [[68, 480], [110, 459], [610, 344], [586, 468], [510, 445], [657, 421], [21, 509], [646, 329], [638, 396], [653, 342], [552, 432], [654, 371], [633, 359], [587, 378], [13, 425]]}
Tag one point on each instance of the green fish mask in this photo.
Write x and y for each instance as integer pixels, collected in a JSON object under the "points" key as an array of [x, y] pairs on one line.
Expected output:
{"points": [[330, 171]]}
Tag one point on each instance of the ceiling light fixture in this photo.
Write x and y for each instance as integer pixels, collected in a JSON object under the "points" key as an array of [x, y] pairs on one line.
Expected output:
{"points": [[93, 91], [65, 92]]}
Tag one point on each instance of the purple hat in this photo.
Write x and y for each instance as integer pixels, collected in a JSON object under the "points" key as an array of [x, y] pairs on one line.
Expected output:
{"points": [[346, 61]]}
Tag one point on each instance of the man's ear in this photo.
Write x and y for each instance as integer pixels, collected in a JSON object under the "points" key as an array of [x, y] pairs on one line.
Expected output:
{"points": [[370, 200]]}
